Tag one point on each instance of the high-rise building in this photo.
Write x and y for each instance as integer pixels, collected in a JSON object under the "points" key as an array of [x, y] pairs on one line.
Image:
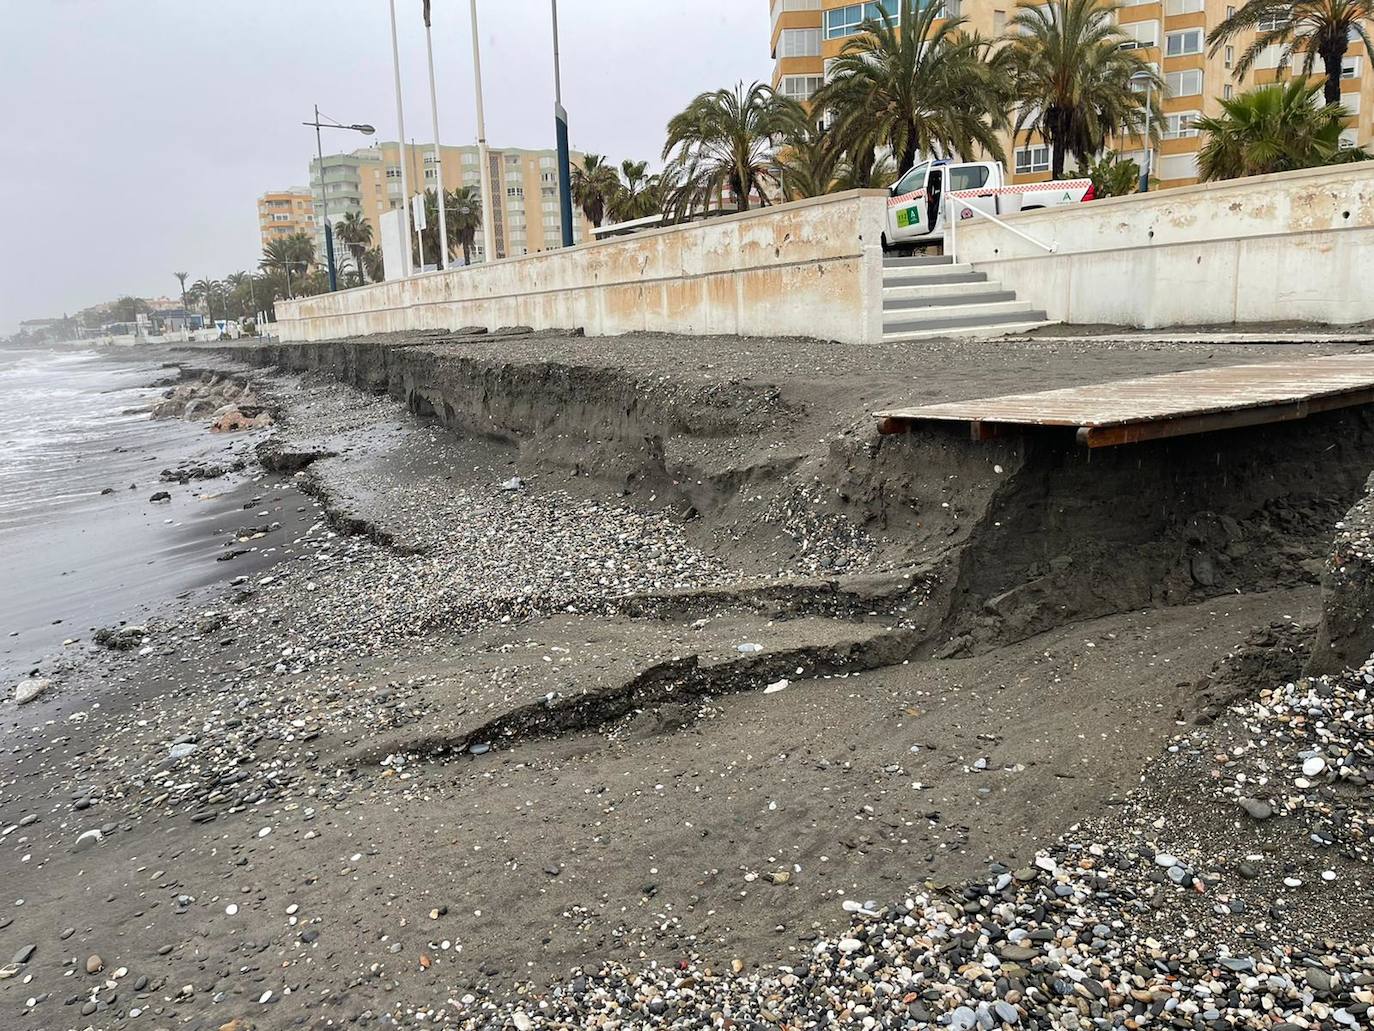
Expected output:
{"points": [[526, 215], [1170, 34], [283, 212]]}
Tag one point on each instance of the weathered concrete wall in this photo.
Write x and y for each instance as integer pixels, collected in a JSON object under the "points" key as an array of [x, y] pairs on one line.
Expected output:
{"points": [[811, 268], [1297, 245]]}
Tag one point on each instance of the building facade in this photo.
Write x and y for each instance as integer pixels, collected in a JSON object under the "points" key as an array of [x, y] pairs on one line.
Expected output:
{"points": [[1170, 34], [283, 212], [525, 204]]}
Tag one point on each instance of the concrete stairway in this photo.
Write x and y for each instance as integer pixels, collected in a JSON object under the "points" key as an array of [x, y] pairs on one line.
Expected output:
{"points": [[933, 297]]}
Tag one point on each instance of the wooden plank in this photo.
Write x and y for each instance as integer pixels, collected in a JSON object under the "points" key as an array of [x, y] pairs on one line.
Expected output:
{"points": [[1169, 405]]}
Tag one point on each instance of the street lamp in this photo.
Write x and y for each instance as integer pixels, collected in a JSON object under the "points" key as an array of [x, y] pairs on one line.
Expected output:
{"points": [[366, 130], [560, 117], [1149, 80]]}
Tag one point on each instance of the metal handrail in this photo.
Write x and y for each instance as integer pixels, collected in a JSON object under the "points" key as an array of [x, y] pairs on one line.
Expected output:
{"points": [[1048, 248]]}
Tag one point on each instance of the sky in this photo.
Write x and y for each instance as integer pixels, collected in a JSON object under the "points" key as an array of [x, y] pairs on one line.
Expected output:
{"points": [[139, 133]]}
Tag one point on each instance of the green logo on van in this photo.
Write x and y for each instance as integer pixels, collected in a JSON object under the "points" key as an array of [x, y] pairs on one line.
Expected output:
{"points": [[908, 217]]}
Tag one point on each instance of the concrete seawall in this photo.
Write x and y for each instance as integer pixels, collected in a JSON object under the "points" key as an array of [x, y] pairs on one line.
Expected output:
{"points": [[811, 268], [1291, 246]]}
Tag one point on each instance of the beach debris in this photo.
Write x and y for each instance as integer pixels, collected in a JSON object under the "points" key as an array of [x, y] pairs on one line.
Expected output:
{"points": [[28, 690]]}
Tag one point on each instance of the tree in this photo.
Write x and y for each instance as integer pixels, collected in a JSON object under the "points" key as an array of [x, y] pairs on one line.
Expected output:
{"points": [[923, 88], [1272, 129], [354, 232], [372, 262], [128, 309], [1114, 175], [808, 163], [725, 140], [594, 187], [206, 289], [637, 194], [291, 255], [181, 278], [1320, 31], [464, 219], [1072, 79]]}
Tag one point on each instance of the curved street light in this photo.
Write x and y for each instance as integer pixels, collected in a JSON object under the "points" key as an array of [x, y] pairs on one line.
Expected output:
{"points": [[366, 130]]}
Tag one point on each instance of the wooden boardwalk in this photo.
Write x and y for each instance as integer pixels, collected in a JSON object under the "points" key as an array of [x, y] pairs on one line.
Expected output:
{"points": [[1170, 405]]}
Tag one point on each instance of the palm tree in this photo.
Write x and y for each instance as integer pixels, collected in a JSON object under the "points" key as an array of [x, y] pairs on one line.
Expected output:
{"points": [[809, 163], [1319, 30], [725, 140], [372, 262], [205, 289], [354, 232], [1072, 79], [464, 219], [594, 187], [291, 254], [181, 278], [1272, 129], [636, 196], [920, 89]]}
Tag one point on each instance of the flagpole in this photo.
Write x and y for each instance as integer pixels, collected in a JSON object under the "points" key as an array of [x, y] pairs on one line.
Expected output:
{"points": [[401, 128], [488, 200], [442, 259]]}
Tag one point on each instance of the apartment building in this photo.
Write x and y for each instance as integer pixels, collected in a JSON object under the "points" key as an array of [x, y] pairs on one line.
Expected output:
{"points": [[525, 204], [1170, 34], [283, 212]]}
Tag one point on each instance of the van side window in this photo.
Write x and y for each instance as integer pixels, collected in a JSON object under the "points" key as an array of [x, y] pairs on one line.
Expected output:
{"points": [[968, 177]]}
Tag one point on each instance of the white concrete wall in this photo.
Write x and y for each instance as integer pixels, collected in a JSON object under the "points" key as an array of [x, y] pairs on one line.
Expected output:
{"points": [[811, 268], [1293, 246]]}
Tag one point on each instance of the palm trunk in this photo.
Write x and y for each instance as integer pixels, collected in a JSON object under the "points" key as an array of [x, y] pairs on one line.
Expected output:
{"points": [[908, 152], [1333, 56], [1056, 121], [467, 252]]}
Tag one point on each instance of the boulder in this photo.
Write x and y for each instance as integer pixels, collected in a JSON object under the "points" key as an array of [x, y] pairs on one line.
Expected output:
{"points": [[28, 690]]}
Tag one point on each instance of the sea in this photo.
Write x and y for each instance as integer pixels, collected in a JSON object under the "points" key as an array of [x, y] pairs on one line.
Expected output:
{"points": [[81, 544]]}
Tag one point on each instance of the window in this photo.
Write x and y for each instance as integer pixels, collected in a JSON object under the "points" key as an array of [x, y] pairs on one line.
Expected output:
{"points": [[968, 177], [1179, 43], [1271, 22], [999, 22], [1180, 125], [1138, 3], [429, 173], [1184, 84], [1269, 57], [1032, 159], [469, 158], [281, 218], [1228, 91], [1178, 166], [393, 172], [1350, 101], [799, 43], [1229, 57], [1350, 68], [515, 191], [846, 21], [1348, 140], [912, 181], [800, 87], [546, 162], [1182, 6], [1140, 35]]}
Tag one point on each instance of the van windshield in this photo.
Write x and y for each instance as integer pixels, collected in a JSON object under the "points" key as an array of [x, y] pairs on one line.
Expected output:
{"points": [[912, 181]]}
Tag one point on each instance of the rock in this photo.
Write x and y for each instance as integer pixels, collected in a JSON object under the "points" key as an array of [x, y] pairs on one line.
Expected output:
{"points": [[748, 648], [24, 954], [160, 496], [776, 686], [513, 330], [848, 945], [88, 839], [94, 964], [1313, 766], [1256, 809], [514, 483], [1164, 859], [27, 690], [182, 750]]}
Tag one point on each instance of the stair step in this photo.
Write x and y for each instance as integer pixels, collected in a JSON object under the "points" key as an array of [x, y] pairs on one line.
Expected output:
{"points": [[981, 330], [928, 318], [987, 294], [892, 281], [918, 260], [924, 273]]}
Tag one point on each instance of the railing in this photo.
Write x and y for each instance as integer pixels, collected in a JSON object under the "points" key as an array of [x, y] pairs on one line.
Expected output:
{"points": [[952, 223]]}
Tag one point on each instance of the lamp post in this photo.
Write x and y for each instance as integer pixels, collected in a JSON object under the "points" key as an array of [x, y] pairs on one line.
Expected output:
{"points": [[442, 260], [560, 117], [1148, 79], [488, 202], [366, 130]]}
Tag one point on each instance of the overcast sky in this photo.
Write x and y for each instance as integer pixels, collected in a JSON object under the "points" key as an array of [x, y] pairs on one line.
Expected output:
{"points": [[139, 133]]}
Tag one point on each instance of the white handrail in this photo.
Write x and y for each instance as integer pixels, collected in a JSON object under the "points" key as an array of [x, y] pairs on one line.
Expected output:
{"points": [[1048, 248]]}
